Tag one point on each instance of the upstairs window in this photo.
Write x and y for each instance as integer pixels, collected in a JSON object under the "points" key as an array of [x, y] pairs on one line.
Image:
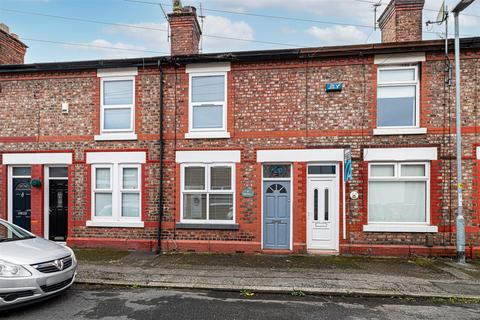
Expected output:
{"points": [[117, 104], [207, 112], [398, 97]]}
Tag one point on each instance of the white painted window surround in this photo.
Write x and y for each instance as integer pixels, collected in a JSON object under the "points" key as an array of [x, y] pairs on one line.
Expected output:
{"points": [[36, 158], [116, 164], [398, 61], [400, 154], [399, 58], [478, 153], [396, 158], [207, 111], [227, 156], [300, 155], [118, 109]]}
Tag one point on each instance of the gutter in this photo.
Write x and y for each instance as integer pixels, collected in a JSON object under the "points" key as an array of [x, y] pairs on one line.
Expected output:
{"points": [[160, 192], [259, 55]]}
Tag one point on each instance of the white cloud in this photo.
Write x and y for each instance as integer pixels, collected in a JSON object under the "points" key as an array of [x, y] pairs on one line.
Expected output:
{"points": [[288, 31], [110, 50], [338, 35], [224, 27]]}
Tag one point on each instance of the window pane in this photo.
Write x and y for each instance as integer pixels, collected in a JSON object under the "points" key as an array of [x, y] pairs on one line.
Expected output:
{"points": [[58, 172], [397, 75], [208, 116], [102, 176], [276, 171], [130, 178], [117, 92], [321, 169], [413, 170], [221, 207], [117, 119], [194, 178], [21, 171], [130, 205], [195, 206], [382, 171], [221, 178], [103, 204], [396, 106], [399, 201], [208, 88]]}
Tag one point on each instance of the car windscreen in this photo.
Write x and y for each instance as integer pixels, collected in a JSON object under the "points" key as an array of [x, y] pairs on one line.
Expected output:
{"points": [[10, 232]]}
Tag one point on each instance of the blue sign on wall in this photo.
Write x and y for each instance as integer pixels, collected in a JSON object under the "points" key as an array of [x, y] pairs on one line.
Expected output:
{"points": [[335, 86]]}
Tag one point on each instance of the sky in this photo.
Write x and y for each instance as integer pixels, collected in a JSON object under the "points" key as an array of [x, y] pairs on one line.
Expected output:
{"points": [[69, 30]]}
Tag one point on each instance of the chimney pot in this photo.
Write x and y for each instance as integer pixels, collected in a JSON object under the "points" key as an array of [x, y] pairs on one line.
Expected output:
{"points": [[402, 21]]}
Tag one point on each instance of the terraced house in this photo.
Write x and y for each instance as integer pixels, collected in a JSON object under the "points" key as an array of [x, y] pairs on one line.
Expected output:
{"points": [[244, 151]]}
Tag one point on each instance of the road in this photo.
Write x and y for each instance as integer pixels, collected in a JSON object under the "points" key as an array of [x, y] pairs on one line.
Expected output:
{"points": [[86, 302]]}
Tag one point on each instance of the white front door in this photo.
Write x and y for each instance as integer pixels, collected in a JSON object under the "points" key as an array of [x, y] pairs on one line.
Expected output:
{"points": [[322, 214]]}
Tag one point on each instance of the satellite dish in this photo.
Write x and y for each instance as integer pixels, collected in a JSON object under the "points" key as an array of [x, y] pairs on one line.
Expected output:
{"points": [[441, 14]]}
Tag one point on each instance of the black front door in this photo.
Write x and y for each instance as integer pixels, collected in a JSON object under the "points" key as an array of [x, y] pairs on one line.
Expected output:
{"points": [[58, 211], [21, 202]]}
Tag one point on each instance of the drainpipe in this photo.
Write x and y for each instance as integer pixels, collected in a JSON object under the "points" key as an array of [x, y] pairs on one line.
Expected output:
{"points": [[160, 192]]}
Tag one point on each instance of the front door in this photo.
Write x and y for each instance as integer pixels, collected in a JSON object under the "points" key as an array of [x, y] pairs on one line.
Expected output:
{"points": [[322, 215], [21, 202], [276, 215], [58, 210]]}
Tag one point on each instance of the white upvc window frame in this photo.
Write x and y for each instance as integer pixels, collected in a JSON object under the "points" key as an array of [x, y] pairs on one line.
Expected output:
{"points": [[103, 107], [116, 189], [415, 82], [206, 131], [124, 191], [384, 226], [207, 190]]}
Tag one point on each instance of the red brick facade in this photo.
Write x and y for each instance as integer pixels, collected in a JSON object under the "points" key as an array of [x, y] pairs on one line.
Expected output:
{"points": [[271, 105], [12, 50], [274, 103], [402, 21]]}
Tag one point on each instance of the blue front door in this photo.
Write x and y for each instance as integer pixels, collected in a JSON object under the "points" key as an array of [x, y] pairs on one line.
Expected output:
{"points": [[276, 215]]}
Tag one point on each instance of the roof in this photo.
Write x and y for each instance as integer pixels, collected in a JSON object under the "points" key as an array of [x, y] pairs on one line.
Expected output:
{"points": [[263, 55]]}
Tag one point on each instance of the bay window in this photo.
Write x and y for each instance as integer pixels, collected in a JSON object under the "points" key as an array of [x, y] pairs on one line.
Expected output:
{"points": [[208, 193], [398, 193]]}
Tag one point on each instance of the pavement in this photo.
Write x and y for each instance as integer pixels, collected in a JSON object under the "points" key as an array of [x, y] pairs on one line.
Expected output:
{"points": [[313, 275], [105, 302]]}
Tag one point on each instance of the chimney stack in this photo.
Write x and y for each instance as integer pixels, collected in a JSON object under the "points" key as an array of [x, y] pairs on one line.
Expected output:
{"points": [[185, 30], [402, 21], [12, 50]]}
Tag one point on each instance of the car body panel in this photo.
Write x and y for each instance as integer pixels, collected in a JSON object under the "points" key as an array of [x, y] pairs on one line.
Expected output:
{"points": [[16, 291]]}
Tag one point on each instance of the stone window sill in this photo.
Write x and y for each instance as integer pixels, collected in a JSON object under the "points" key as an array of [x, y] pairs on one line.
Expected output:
{"points": [[398, 131], [399, 228], [207, 135], [207, 226], [115, 224], [115, 136]]}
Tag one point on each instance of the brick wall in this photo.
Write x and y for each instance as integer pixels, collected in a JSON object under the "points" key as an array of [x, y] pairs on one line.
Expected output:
{"points": [[12, 50], [402, 21], [273, 104]]}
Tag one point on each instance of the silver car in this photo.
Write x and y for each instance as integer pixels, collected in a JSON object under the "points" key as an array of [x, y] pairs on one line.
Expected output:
{"points": [[32, 268]]}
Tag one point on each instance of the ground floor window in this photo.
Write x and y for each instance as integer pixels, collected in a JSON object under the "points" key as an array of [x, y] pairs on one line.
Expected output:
{"points": [[398, 192], [208, 193], [116, 192]]}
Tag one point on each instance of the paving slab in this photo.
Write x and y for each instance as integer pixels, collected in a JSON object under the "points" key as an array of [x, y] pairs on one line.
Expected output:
{"points": [[415, 277]]}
